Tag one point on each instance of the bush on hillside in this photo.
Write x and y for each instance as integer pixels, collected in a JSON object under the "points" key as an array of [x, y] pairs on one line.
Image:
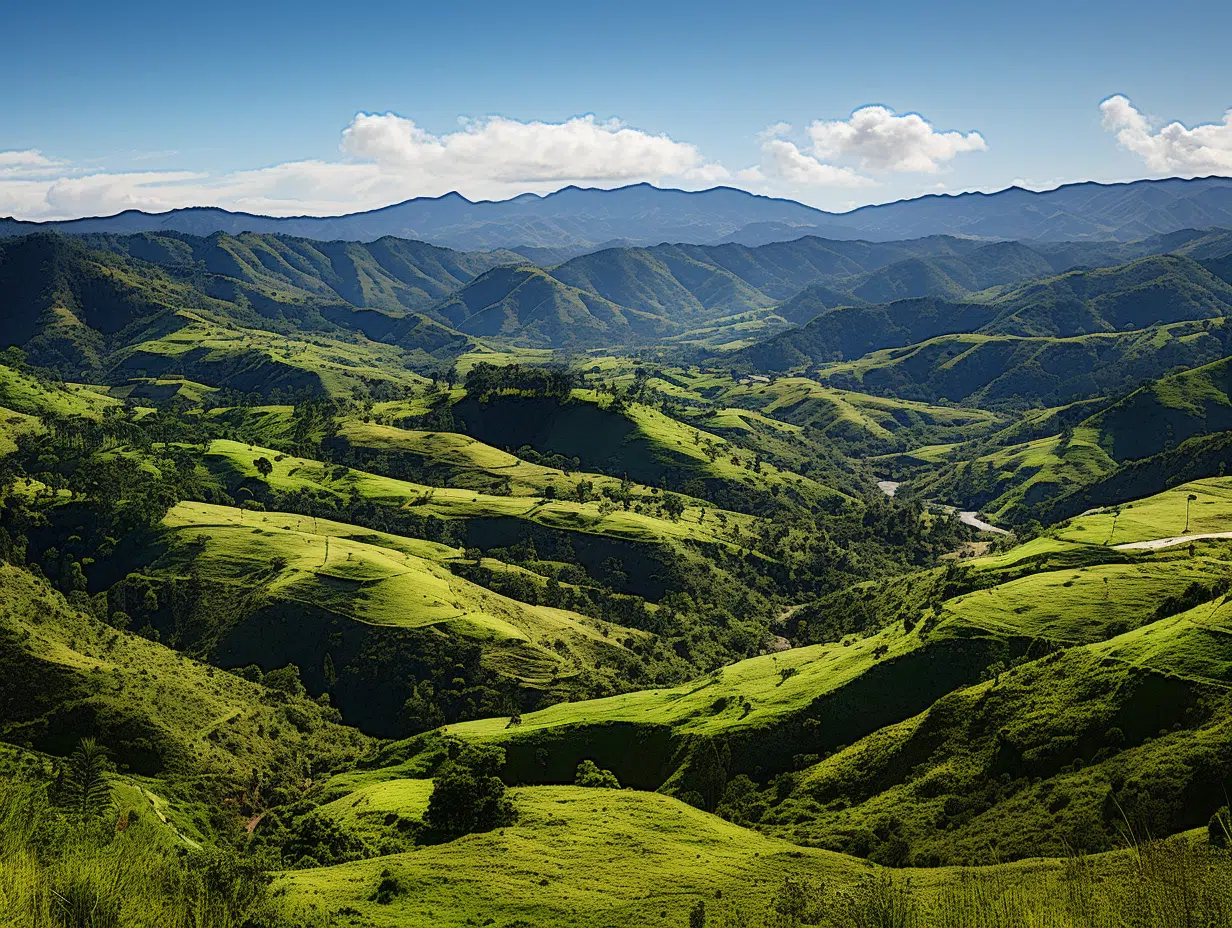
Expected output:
{"points": [[467, 794], [591, 774]]}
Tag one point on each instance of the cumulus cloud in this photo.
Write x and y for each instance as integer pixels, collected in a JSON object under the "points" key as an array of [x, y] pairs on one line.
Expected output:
{"points": [[1174, 148], [509, 151], [783, 160], [385, 158], [27, 163], [874, 139], [879, 140]]}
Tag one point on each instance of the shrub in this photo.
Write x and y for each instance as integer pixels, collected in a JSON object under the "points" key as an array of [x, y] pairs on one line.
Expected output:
{"points": [[590, 774]]}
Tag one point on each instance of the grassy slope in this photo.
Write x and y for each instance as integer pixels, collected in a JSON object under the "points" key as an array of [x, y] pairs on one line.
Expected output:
{"points": [[66, 676], [12, 425], [1055, 592], [1160, 516], [618, 859], [840, 414], [463, 462], [642, 442], [1168, 411], [1136, 707], [801, 409], [575, 857], [1000, 369], [1070, 605], [250, 359], [1012, 479], [1026, 764], [292, 473], [28, 396], [375, 579]]}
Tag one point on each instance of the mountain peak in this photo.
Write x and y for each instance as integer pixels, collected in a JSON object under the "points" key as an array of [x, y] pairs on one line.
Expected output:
{"points": [[644, 214]]}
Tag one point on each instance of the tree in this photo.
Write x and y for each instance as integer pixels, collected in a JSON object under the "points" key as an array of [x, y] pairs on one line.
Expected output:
{"points": [[1219, 828], [329, 671], [86, 789], [697, 915], [285, 680], [264, 466], [1188, 499], [467, 795], [673, 505], [591, 774]]}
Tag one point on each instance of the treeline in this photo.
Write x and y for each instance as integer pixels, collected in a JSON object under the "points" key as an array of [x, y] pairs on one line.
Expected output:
{"points": [[485, 380]]}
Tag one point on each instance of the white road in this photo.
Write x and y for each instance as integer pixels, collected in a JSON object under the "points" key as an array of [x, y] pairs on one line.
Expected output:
{"points": [[1168, 542]]}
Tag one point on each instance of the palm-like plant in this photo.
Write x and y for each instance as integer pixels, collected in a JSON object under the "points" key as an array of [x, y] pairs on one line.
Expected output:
{"points": [[85, 779]]}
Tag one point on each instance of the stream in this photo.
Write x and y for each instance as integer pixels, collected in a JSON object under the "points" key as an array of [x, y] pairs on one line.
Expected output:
{"points": [[890, 487]]}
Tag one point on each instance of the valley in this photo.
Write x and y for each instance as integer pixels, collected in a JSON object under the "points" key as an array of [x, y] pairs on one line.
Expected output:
{"points": [[748, 582]]}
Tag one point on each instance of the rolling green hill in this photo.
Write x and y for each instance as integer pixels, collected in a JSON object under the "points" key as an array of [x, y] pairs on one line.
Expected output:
{"points": [[334, 593], [325, 587], [1141, 295], [531, 306], [389, 274], [999, 370], [1010, 482], [104, 314], [1021, 759], [67, 675], [1165, 413], [638, 441]]}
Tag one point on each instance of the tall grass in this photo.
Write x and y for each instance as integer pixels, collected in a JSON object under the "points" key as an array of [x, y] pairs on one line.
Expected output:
{"points": [[70, 871], [1178, 883]]}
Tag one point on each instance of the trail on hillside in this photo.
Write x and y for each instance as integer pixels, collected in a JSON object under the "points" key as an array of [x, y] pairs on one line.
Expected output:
{"points": [[1156, 543]]}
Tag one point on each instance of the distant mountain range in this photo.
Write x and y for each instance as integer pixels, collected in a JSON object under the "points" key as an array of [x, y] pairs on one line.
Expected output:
{"points": [[549, 229], [83, 300]]}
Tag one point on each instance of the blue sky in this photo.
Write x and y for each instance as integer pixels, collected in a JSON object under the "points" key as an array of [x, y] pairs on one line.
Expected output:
{"points": [[246, 104]]}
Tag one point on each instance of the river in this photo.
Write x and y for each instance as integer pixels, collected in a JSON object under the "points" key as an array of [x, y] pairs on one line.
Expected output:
{"points": [[890, 487]]}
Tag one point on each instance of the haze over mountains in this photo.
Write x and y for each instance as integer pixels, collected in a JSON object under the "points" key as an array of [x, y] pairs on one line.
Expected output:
{"points": [[575, 220]]}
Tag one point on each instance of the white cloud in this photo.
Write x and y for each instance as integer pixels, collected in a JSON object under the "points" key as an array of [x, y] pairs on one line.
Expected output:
{"points": [[775, 131], [505, 150], [1174, 148], [28, 163], [879, 141], [783, 160], [873, 138], [385, 159]]}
